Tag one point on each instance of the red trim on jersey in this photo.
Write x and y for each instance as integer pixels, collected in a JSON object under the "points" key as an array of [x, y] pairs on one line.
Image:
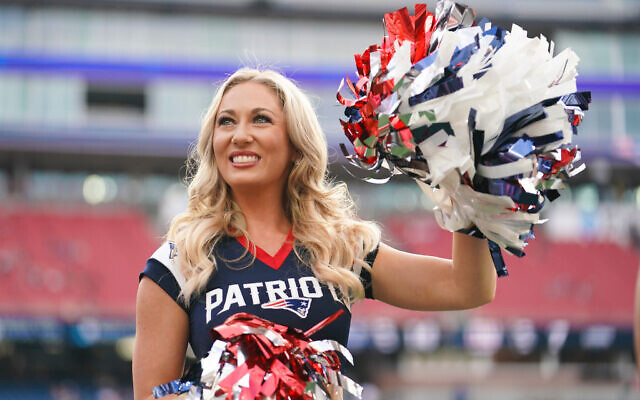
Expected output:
{"points": [[276, 260]]}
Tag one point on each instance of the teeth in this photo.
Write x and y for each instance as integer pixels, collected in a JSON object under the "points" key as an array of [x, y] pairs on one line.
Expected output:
{"points": [[245, 159]]}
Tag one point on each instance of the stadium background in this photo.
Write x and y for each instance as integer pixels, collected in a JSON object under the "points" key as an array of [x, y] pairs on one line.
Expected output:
{"points": [[100, 101]]}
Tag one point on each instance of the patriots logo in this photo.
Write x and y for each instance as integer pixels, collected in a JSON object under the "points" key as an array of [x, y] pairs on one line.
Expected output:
{"points": [[173, 250], [298, 305]]}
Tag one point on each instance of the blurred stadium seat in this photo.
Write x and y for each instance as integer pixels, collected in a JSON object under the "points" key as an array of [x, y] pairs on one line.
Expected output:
{"points": [[70, 263], [585, 283]]}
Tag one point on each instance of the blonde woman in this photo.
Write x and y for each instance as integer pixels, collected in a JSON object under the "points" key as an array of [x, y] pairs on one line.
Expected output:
{"points": [[265, 233]]}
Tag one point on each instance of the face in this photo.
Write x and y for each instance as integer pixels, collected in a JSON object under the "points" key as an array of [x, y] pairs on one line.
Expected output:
{"points": [[250, 141]]}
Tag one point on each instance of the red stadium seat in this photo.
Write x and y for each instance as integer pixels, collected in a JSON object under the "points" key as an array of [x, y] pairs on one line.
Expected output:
{"points": [[71, 263], [84, 262], [581, 282]]}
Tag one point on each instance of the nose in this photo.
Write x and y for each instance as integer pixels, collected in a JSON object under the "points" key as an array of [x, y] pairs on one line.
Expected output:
{"points": [[242, 135]]}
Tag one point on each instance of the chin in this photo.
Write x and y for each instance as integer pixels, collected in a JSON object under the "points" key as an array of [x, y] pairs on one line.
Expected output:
{"points": [[243, 183]]}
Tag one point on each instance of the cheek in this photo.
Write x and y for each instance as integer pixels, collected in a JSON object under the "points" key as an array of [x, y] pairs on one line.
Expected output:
{"points": [[218, 149], [217, 145], [285, 147]]}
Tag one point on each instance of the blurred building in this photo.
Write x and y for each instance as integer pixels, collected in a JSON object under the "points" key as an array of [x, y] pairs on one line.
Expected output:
{"points": [[101, 100]]}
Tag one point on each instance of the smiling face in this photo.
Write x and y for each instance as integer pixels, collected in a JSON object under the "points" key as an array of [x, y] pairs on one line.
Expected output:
{"points": [[250, 141]]}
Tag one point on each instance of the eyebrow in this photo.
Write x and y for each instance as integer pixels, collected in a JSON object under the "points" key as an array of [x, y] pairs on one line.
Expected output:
{"points": [[254, 111]]}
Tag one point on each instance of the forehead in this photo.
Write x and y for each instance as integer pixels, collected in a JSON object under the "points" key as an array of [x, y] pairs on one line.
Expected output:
{"points": [[250, 95]]}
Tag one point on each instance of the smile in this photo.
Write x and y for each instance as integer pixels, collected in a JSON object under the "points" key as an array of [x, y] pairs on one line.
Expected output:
{"points": [[245, 159]]}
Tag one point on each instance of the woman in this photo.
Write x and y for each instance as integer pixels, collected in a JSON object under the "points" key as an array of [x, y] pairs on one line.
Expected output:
{"points": [[265, 233]]}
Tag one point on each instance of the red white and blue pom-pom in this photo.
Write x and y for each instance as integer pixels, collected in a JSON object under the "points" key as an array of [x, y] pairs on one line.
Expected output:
{"points": [[252, 358], [482, 118]]}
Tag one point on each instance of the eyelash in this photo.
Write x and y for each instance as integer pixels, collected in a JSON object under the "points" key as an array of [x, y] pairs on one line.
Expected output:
{"points": [[226, 120], [264, 117]]}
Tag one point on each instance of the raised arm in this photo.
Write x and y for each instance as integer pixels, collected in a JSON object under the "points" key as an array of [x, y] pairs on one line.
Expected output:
{"points": [[428, 283], [162, 332]]}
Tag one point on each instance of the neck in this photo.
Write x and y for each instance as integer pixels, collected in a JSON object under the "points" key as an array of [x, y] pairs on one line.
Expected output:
{"points": [[263, 211]]}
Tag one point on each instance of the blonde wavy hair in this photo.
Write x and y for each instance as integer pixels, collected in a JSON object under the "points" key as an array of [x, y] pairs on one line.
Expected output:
{"points": [[329, 237]]}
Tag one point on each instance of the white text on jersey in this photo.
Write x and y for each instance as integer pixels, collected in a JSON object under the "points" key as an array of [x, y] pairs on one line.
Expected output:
{"points": [[262, 292]]}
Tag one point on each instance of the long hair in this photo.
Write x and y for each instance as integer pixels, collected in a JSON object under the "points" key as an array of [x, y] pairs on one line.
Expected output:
{"points": [[329, 237]]}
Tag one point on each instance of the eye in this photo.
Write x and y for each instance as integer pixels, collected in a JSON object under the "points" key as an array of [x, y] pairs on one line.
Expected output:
{"points": [[261, 119], [223, 121]]}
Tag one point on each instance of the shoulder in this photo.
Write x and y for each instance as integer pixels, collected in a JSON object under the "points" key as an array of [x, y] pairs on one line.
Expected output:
{"points": [[163, 268], [167, 255]]}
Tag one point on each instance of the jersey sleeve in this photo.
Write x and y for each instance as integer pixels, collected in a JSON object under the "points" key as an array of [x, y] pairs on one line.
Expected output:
{"points": [[163, 269], [365, 276]]}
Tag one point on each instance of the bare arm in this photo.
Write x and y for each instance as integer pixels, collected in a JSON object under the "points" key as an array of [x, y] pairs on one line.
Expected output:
{"points": [[427, 283], [162, 332]]}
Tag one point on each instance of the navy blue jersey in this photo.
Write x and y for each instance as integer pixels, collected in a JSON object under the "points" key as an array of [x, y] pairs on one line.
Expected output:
{"points": [[281, 289]]}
